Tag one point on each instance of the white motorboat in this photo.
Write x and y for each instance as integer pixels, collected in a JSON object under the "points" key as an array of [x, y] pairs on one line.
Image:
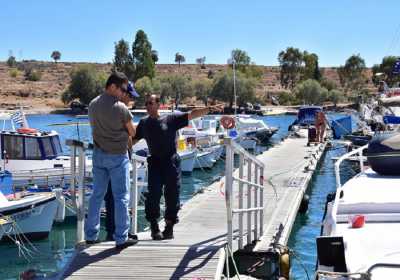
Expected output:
{"points": [[205, 159], [31, 155], [359, 235], [187, 155], [255, 128], [32, 214]]}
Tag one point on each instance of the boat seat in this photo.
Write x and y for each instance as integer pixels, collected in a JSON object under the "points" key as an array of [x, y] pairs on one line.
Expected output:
{"points": [[330, 251]]}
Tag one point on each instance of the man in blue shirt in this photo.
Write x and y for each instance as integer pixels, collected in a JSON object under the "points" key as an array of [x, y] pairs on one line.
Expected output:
{"points": [[163, 163]]}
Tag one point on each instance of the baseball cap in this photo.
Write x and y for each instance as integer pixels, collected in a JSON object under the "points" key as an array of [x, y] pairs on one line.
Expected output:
{"points": [[131, 90]]}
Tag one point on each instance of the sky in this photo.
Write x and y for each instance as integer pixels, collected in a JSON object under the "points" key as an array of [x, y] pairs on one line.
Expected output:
{"points": [[86, 30]]}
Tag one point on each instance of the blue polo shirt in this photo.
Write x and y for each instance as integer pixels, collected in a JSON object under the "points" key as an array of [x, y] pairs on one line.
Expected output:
{"points": [[160, 133]]}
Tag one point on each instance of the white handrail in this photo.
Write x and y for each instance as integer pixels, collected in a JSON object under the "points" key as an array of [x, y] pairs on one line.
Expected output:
{"points": [[78, 172], [358, 151], [255, 201]]}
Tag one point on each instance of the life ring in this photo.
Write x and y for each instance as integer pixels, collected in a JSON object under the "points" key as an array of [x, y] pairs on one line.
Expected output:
{"points": [[27, 130], [227, 122]]}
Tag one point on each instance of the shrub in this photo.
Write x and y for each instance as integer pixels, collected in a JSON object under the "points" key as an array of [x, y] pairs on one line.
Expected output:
{"points": [[13, 72], [11, 62], [32, 74]]}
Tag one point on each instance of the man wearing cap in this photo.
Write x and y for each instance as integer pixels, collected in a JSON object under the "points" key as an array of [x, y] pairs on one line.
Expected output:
{"points": [[126, 98], [112, 125], [163, 163]]}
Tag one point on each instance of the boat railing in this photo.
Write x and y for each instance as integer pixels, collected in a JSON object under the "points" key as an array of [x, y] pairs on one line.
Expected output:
{"points": [[77, 184], [251, 214], [359, 153], [134, 191]]}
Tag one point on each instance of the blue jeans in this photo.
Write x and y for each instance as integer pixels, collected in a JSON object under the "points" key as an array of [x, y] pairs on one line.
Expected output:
{"points": [[105, 167]]}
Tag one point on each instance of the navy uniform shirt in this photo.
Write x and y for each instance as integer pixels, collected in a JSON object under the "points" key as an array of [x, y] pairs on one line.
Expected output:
{"points": [[160, 133]]}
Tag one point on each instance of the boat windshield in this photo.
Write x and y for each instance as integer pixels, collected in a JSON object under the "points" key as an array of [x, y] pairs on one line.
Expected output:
{"points": [[26, 147]]}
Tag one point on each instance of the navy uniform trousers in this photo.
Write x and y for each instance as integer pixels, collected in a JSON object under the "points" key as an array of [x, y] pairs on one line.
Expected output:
{"points": [[163, 172]]}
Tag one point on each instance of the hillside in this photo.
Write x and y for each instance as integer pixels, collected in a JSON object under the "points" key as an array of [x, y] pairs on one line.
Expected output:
{"points": [[45, 94]]}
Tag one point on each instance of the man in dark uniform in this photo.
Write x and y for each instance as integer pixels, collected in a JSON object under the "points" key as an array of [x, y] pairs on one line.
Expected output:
{"points": [[163, 163]]}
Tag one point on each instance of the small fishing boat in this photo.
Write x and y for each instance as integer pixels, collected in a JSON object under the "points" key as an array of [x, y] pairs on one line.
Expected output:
{"points": [[32, 214], [255, 128]]}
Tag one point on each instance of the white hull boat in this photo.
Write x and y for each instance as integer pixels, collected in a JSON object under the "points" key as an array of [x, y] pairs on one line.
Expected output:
{"points": [[188, 158], [361, 228], [205, 159], [32, 215]]}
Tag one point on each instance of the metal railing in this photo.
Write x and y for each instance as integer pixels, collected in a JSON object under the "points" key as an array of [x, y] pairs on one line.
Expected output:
{"points": [[78, 179], [358, 151], [77, 184], [253, 212]]}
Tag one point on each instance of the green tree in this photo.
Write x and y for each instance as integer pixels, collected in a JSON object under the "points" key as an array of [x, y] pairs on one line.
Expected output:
{"points": [[329, 84], [56, 55], [310, 92], [123, 61], [176, 87], [143, 56], [311, 68], [201, 61], [202, 89], [179, 58], [335, 96], [241, 59], [154, 55], [11, 61], [386, 67], [223, 88], [85, 85], [351, 75], [290, 62], [286, 98], [146, 86]]}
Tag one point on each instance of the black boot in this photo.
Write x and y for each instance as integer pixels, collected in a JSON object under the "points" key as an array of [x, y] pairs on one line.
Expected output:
{"points": [[155, 231], [168, 232]]}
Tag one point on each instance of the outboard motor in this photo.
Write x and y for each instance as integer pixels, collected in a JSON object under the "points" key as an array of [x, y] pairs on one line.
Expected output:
{"points": [[384, 153]]}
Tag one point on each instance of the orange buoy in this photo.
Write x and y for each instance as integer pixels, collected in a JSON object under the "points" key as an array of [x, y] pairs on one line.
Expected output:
{"points": [[27, 130]]}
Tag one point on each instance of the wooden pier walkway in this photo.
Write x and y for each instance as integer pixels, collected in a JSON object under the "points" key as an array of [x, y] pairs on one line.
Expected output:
{"points": [[201, 233]]}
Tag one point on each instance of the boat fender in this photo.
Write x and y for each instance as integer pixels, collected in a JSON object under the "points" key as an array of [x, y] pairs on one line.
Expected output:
{"points": [[284, 265], [227, 122], [27, 130], [60, 213], [304, 204]]}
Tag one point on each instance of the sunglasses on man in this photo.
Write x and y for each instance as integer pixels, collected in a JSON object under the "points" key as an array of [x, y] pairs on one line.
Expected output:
{"points": [[150, 103]]}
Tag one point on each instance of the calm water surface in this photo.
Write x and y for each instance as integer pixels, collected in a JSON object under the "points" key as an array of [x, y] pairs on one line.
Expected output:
{"points": [[50, 255]]}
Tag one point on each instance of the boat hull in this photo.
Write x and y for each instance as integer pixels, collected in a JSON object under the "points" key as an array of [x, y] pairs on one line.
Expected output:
{"points": [[34, 221]]}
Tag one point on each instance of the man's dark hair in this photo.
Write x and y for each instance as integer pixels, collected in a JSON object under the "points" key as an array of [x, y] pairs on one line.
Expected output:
{"points": [[116, 78]]}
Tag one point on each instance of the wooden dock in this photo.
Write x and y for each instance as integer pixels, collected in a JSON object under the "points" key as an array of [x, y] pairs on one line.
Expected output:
{"points": [[201, 233]]}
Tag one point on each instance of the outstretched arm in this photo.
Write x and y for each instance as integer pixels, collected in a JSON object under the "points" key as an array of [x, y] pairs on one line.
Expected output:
{"points": [[197, 113]]}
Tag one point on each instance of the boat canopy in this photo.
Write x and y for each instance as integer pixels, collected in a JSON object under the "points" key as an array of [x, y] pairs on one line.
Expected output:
{"points": [[19, 146], [306, 115]]}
